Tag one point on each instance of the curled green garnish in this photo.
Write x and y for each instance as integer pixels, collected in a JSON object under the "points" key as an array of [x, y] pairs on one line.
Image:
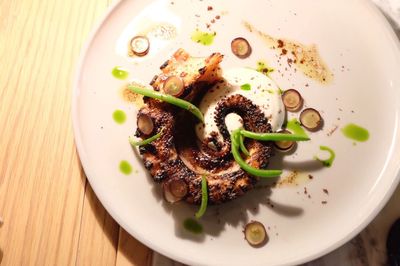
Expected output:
{"points": [[328, 162], [273, 136], [169, 99], [145, 141], [249, 169], [204, 198], [242, 147]]}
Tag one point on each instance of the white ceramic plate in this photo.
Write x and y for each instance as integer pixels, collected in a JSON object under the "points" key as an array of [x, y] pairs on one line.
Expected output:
{"points": [[358, 46]]}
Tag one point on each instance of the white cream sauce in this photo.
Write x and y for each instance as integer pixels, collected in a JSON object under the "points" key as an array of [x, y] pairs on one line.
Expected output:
{"points": [[263, 93]]}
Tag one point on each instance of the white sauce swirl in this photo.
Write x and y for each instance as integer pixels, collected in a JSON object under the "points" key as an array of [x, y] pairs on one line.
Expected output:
{"points": [[263, 92]]}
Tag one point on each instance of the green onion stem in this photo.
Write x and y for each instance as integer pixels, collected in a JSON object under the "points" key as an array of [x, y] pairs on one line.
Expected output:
{"points": [[244, 165], [204, 198], [273, 136], [146, 141], [241, 145], [169, 99]]}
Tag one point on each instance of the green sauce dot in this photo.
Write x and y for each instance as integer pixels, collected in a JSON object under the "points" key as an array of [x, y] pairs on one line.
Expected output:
{"points": [[125, 167], [204, 38], [294, 126], [119, 116], [192, 226], [355, 132], [246, 87], [263, 68], [119, 73]]}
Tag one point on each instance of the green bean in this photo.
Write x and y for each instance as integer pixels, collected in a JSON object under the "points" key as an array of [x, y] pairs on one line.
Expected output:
{"points": [[204, 198], [273, 136], [169, 99], [249, 169], [241, 145], [146, 141]]}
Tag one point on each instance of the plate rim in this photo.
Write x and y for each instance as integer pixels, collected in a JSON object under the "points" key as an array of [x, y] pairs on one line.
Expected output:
{"points": [[392, 38]]}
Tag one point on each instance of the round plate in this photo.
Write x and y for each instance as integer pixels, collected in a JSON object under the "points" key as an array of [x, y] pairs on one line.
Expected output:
{"points": [[303, 221]]}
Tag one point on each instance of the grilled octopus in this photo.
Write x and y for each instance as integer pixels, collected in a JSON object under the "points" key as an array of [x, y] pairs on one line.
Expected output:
{"points": [[178, 159]]}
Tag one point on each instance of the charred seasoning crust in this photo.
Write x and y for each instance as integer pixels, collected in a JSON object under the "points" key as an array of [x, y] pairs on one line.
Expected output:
{"points": [[253, 118], [177, 155]]}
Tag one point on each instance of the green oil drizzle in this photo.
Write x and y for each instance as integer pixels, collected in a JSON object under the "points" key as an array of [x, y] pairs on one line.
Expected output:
{"points": [[119, 116], [328, 162], [119, 73], [263, 68], [204, 38], [192, 226], [295, 126], [355, 132], [246, 87], [125, 167]]}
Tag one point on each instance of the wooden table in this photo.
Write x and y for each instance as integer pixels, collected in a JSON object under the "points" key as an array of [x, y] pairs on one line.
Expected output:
{"points": [[51, 215]]}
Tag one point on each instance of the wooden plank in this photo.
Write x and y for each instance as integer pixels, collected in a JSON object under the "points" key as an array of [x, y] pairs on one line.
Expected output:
{"points": [[131, 252], [41, 181], [98, 239]]}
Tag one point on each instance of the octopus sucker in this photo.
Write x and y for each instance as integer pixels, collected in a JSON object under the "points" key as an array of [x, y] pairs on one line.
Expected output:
{"points": [[178, 158]]}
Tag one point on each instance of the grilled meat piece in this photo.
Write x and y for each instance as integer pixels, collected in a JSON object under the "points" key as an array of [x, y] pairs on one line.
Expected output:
{"points": [[179, 156]]}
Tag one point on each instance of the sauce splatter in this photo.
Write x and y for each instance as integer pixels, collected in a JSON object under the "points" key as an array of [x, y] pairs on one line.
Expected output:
{"points": [[246, 87], [119, 116], [192, 226], [263, 68], [327, 162], [295, 126], [125, 167], [305, 57], [293, 179], [131, 97], [119, 73], [158, 34], [162, 31], [355, 132], [204, 38]]}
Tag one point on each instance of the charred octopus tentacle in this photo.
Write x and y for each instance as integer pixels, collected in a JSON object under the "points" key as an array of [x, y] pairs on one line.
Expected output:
{"points": [[178, 160]]}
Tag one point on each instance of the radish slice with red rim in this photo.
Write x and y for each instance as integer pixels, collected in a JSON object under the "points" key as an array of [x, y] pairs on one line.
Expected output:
{"points": [[175, 190], [173, 86], [140, 45], [168, 196], [292, 100], [178, 188], [255, 234], [145, 124], [241, 47], [311, 119], [284, 145]]}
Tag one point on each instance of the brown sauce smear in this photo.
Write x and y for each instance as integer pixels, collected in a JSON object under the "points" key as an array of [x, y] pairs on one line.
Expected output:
{"points": [[305, 57]]}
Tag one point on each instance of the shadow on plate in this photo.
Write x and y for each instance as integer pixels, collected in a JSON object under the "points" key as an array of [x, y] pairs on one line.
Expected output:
{"points": [[236, 213]]}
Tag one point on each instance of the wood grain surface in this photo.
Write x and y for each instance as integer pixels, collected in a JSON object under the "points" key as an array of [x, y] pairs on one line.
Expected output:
{"points": [[51, 215]]}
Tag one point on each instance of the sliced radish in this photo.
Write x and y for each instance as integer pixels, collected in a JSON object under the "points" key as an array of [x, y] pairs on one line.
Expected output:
{"points": [[292, 100], [241, 47], [168, 196], [178, 188], [145, 124], [255, 233], [173, 86], [311, 119], [175, 190], [140, 45], [284, 145]]}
